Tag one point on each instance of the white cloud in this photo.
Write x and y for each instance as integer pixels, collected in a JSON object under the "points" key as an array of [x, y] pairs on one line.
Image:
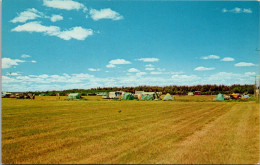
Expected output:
{"points": [[244, 64], [202, 68], [224, 10], [64, 4], [250, 73], [247, 10], [77, 33], [8, 62], [228, 59], [82, 80], [156, 72], [37, 27], [113, 63], [161, 69], [105, 14], [237, 10], [110, 66], [213, 57], [55, 18], [139, 74], [29, 14], [149, 68], [93, 70], [13, 74], [229, 78], [25, 56], [133, 70], [149, 65], [149, 59], [33, 61]]}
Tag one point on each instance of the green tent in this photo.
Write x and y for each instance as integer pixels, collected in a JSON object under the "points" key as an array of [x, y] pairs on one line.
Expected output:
{"points": [[168, 97], [220, 97], [128, 96], [74, 96], [147, 97]]}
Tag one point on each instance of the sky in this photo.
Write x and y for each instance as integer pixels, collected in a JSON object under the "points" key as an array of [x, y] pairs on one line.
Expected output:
{"points": [[76, 44]]}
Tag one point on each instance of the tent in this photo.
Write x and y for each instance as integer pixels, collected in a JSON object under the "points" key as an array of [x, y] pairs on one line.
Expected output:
{"points": [[220, 97], [128, 96], [190, 94], [168, 97], [147, 97], [74, 96], [245, 96]]}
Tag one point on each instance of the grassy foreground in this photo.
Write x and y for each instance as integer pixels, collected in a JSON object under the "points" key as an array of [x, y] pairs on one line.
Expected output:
{"points": [[93, 131]]}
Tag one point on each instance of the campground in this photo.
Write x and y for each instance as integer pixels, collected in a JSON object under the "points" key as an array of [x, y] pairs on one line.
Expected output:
{"points": [[190, 129]]}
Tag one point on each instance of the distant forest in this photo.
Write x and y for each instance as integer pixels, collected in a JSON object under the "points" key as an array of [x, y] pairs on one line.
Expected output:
{"points": [[173, 89]]}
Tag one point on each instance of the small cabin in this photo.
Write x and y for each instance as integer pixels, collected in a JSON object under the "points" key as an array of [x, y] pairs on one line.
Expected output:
{"points": [[197, 93]]}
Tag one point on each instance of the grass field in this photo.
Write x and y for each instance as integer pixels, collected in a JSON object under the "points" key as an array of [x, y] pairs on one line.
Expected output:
{"points": [[191, 130]]}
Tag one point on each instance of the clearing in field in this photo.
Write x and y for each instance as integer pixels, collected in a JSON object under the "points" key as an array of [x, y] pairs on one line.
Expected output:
{"points": [[95, 131]]}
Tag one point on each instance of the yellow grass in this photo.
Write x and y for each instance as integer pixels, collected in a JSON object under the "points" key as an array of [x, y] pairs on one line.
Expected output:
{"points": [[49, 130]]}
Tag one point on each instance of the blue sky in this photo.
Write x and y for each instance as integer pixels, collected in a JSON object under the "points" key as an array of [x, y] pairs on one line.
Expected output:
{"points": [[57, 44]]}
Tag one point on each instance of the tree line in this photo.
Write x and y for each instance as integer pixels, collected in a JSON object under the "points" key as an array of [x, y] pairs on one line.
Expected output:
{"points": [[172, 89]]}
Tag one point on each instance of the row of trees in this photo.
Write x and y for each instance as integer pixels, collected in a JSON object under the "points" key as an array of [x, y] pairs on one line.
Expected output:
{"points": [[173, 89]]}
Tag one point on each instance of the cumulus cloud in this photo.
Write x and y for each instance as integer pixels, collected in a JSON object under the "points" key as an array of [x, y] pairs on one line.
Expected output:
{"points": [[113, 63], [202, 68], [237, 10], [29, 14], [148, 59], [93, 70], [241, 64], [149, 68], [13, 74], [228, 59], [105, 14], [247, 11], [8, 62], [149, 65], [77, 33], [25, 56], [161, 69], [156, 72], [82, 80], [229, 78], [250, 73], [133, 70], [33, 61], [110, 66], [64, 4], [210, 57], [139, 74], [55, 18]]}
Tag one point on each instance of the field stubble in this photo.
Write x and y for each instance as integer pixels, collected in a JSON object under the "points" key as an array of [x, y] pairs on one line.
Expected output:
{"points": [[93, 131]]}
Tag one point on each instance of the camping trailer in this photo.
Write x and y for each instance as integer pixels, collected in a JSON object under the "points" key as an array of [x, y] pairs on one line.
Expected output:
{"points": [[115, 95]]}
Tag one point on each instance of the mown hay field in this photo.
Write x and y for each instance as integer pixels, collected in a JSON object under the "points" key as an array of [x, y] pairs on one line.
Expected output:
{"points": [[53, 130]]}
